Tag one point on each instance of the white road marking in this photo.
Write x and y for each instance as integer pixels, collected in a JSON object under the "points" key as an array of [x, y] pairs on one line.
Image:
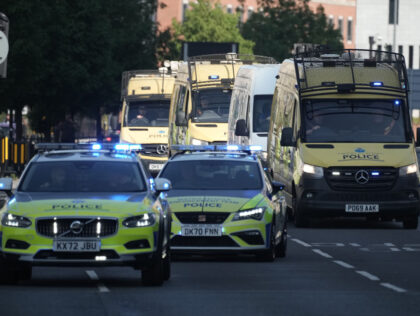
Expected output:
{"points": [[344, 264], [409, 249], [102, 288], [321, 253], [393, 287], [395, 249], [300, 242], [92, 275], [389, 244], [354, 244], [368, 275]]}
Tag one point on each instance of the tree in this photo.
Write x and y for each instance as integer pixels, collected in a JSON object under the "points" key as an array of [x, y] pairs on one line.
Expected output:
{"points": [[207, 22], [282, 23]]}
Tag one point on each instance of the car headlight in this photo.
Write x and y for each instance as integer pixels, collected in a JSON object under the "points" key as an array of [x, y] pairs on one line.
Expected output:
{"points": [[255, 213], [143, 220], [198, 142], [15, 221], [408, 169], [314, 171]]}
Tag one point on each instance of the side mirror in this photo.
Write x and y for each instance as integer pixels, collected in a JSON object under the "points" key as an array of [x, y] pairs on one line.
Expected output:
{"points": [[418, 137], [287, 137], [241, 129], [277, 187], [6, 185], [180, 119], [162, 185]]}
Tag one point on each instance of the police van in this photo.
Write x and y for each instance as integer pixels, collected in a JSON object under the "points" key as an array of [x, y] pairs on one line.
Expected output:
{"points": [[200, 102], [146, 97], [341, 138], [250, 105]]}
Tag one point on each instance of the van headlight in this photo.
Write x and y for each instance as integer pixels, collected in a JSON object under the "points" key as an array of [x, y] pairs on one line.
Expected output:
{"points": [[255, 213], [314, 171], [408, 169], [15, 221], [143, 220], [198, 142]]}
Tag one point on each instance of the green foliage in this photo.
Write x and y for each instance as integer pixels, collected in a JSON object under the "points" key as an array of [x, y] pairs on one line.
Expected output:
{"points": [[206, 22], [282, 23], [67, 56]]}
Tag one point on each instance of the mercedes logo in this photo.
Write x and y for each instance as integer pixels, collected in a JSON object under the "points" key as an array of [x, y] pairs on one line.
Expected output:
{"points": [[162, 149], [362, 177], [76, 227]]}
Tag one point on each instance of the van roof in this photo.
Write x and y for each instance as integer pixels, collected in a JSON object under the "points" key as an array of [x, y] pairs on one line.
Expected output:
{"points": [[263, 77]]}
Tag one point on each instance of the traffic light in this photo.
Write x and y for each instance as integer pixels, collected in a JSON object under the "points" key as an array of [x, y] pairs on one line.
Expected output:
{"points": [[4, 44]]}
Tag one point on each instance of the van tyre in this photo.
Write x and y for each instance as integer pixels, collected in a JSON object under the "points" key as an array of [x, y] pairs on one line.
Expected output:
{"points": [[300, 220], [411, 222]]}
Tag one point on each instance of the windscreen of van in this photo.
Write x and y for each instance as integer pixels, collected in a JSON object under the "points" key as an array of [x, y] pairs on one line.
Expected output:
{"points": [[211, 105], [261, 113], [147, 113], [360, 121]]}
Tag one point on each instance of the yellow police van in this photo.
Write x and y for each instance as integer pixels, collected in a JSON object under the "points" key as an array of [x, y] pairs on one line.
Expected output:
{"points": [[341, 138], [201, 98], [146, 98]]}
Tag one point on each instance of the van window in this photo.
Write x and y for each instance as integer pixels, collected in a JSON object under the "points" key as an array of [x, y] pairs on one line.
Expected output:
{"points": [[180, 101], [211, 105], [147, 113], [354, 121], [261, 113]]}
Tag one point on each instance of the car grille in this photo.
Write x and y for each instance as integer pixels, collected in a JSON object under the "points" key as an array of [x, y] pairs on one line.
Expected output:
{"points": [[385, 178], [152, 150], [108, 227], [222, 241], [201, 217]]}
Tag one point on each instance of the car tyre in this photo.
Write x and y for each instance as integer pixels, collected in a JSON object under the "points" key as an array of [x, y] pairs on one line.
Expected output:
{"points": [[154, 274], [25, 273], [411, 222], [281, 248], [7, 275], [269, 255], [167, 265]]}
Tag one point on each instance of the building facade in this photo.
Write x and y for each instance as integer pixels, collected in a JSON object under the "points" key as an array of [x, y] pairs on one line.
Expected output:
{"points": [[376, 28], [340, 13]]}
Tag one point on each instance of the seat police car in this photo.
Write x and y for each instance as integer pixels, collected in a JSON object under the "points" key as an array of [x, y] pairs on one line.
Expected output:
{"points": [[76, 207], [222, 201]]}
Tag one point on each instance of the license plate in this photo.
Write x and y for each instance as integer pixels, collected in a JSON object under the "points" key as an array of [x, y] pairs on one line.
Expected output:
{"points": [[76, 245], [362, 208], [156, 166], [201, 230]]}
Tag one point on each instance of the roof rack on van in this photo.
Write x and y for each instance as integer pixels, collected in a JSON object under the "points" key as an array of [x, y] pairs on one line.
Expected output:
{"points": [[344, 71], [220, 59]]}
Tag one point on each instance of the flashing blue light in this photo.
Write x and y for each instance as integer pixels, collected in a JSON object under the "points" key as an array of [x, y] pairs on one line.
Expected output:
{"points": [[232, 147], [127, 147], [121, 156], [95, 154], [255, 147], [121, 147], [1, 185], [377, 84], [375, 173], [166, 186], [397, 102], [135, 147], [213, 77], [96, 146]]}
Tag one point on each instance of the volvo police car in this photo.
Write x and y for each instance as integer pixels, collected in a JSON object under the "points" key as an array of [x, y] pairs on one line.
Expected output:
{"points": [[76, 207], [222, 201]]}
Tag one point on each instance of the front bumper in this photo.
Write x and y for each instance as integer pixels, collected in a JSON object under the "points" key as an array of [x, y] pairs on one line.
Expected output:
{"points": [[153, 163], [316, 199]]}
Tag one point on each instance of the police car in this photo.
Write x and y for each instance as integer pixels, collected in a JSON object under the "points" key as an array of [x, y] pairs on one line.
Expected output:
{"points": [[222, 201], [85, 206]]}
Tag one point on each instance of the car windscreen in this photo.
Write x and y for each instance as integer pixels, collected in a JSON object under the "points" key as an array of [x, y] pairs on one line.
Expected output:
{"points": [[261, 113], [353, 120], [211, 105], [147, 113], [213, 175], [83, 176]]}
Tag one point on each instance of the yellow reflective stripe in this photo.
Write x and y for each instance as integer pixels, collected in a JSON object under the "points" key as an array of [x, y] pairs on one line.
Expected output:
{"points": [[22, 153], [15, 153], [2, 150], [6, 148]]}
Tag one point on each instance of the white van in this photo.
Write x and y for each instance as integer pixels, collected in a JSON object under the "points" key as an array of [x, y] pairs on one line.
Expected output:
{"points": [[250, 105]]}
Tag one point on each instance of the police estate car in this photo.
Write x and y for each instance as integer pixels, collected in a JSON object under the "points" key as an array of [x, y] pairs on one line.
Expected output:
{"points": [[222, 200], [78, 206]]}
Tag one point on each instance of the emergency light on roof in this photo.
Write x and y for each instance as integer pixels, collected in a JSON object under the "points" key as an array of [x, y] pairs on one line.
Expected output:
{"points": [[250, 148], [397, 102], [214, 77], [127, 147], [376, 84], [96, 146]]}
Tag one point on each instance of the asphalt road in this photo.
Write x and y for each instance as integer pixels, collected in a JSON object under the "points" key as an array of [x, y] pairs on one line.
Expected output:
{"points": [[347, 267]]}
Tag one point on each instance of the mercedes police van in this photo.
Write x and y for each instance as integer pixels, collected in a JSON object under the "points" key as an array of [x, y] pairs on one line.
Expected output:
{"points": [[341, 137], [146, 97], [250, 105], [201, 98]]}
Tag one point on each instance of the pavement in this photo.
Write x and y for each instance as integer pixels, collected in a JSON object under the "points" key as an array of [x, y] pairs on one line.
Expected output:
{"points": [[337, 267]]}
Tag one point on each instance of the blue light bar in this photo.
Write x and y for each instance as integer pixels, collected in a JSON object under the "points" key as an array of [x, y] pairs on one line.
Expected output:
{"points": [[376, 84], [255, 147], [1, 185], [397, 102], [232, 147], [214, 77], [193, 147], [127, 147], [96, 146]]}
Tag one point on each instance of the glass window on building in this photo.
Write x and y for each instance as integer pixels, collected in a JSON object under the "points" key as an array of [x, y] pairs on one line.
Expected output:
{"points": [[340, 24], [393, 11], [400, 49], [349, 29], [184, 9], [410, 56], [331, 20], [229, 9], [250, 12]]}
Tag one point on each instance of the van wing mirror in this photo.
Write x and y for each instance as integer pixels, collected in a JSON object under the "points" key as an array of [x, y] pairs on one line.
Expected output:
{"points": [[6, 185], [241, 128], [277, 187], [418, 137], [180, 119], [287, 137]]}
